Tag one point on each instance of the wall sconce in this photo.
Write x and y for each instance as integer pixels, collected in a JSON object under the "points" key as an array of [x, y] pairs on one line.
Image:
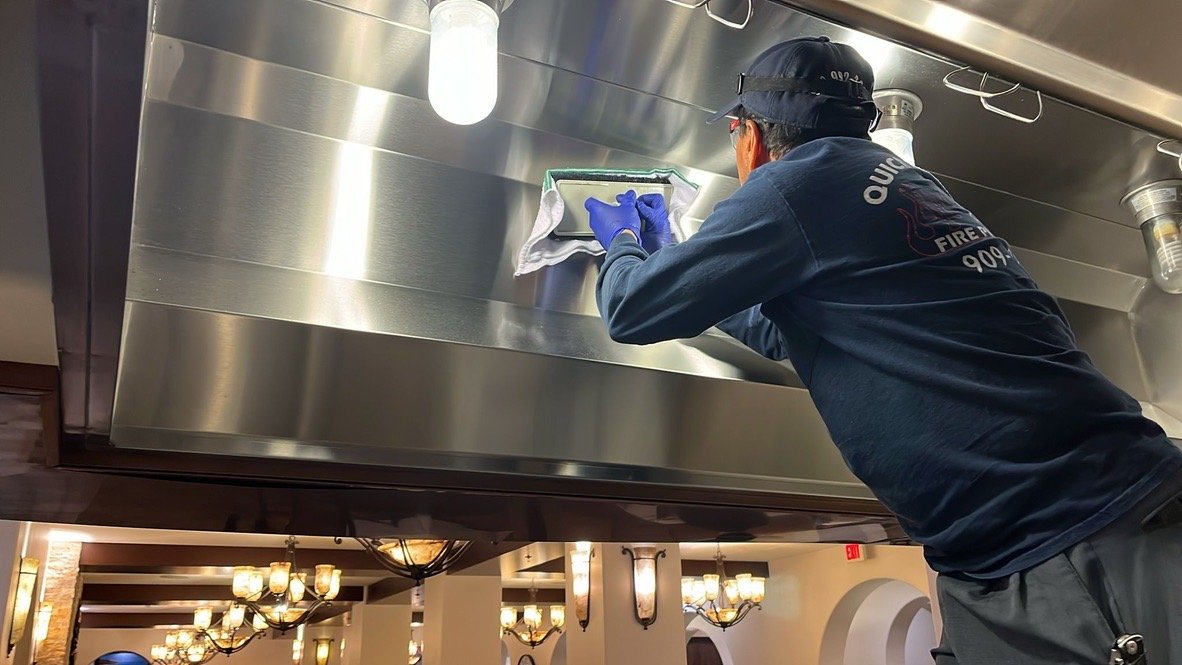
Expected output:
{"points": [[23, 601], [644, 582], [323, 649], [580, 565]]}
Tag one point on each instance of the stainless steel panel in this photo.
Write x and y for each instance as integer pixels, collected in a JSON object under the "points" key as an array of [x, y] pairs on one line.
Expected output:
{"points": [[321, 268], [208, 382], [1101, 54]]}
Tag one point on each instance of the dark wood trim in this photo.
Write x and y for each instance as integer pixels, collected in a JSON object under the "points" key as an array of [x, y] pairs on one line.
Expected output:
{"points": [[547, 596], [157, 594], [697, 568], [131, 557]]}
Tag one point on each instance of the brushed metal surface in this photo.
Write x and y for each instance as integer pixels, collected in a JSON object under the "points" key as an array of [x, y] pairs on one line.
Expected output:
{"points": [[1105, 55], [322, 269], [285, 389]]}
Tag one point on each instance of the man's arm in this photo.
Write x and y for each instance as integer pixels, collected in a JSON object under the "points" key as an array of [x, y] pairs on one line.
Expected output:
{"points": [[756, 331], [750, 250]]}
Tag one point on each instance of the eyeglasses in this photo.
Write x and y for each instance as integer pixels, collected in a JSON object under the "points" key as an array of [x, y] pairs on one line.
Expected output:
{"points": [[735, 124]]}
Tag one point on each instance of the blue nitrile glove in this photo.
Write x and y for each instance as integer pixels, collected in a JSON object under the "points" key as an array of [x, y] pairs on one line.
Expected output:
{"points": [[608, 221], [656, 232]]}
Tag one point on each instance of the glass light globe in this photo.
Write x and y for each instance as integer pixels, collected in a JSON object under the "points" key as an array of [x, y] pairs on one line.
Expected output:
{"points": [[462, 75]]}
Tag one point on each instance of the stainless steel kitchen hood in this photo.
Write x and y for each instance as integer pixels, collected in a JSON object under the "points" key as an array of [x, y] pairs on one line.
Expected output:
{"points": [[321, 268]]}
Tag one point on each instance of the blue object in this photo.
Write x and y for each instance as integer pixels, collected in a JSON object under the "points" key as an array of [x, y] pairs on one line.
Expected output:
{"points": [[120, 658], [655, 232], [951, 384], [608, 221], [809, 82]]}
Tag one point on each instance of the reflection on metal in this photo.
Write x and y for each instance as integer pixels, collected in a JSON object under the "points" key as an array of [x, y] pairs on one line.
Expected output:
{"points": [[321, 269]]}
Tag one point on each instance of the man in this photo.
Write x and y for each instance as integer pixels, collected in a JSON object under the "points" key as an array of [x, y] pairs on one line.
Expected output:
{"points": [[951, 384]]}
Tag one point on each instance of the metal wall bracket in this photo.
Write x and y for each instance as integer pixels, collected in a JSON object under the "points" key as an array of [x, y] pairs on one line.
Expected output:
{"points": [[985, 97]]}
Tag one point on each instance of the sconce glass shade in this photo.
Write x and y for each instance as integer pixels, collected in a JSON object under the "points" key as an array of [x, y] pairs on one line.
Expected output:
{"points": [[257, 580], [41, 626], [323, 650], [580, 565], [508, 618], [22, 600], [644, 582], [758, 589], [297, 651], [170, 639], [184, 638]]}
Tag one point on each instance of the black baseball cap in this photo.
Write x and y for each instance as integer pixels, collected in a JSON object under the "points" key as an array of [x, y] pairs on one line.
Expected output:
{"points": [[809, 82]]}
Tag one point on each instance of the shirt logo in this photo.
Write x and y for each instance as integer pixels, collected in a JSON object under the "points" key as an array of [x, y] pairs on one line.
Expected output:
{"points": [[884, 174]]}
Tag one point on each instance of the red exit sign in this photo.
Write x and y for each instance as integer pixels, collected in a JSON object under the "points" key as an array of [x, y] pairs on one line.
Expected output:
{"points": [[855, 552]]}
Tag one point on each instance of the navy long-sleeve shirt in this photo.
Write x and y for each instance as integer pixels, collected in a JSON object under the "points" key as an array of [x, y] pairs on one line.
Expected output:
{"points": [[950, 383]]}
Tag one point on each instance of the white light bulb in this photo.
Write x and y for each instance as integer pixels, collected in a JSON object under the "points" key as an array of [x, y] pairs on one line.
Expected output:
{"points": [[462, 79], [897, 140]]}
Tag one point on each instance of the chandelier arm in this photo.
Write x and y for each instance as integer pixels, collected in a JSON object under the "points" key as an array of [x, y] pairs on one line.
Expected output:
{"points": [[284, 626], [232, 649]]}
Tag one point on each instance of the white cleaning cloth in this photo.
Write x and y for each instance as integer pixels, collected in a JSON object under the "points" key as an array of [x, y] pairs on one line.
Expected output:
{"points": [[542, 249]]}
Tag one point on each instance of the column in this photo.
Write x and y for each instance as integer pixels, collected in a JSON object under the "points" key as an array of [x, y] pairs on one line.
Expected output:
{"points": [[383, 635], [614, 635], [61, 589], [460, 620]]}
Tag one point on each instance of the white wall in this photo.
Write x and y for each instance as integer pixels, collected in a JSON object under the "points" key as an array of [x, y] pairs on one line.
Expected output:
{"points": [[25, 285]]}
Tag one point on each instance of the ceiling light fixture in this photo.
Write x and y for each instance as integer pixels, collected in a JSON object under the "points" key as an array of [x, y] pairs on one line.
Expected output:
{"points": [[226, 639], [415, 559], [275, 594], [414, 653], [644, 583], [1158, 210], [532, 635], [462, 73], [182, 647], [720, 600], [896, 125]]}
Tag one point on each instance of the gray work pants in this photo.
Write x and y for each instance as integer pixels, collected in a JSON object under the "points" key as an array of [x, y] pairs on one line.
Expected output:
{"points": [[1070, 609]]}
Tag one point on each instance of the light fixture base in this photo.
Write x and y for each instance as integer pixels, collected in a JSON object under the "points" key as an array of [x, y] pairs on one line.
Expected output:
{"points": [[900, 108]]}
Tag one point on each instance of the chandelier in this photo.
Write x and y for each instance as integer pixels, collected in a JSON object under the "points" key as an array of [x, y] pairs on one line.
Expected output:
{"points": [[528, 629], [720, 600], [415, 559], [225, 639], [181, 647], [280, 596]]}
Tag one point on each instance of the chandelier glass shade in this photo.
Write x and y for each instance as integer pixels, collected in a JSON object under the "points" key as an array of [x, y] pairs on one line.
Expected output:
{"points": [[721, 600], [280, 596], [415, 559]]}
